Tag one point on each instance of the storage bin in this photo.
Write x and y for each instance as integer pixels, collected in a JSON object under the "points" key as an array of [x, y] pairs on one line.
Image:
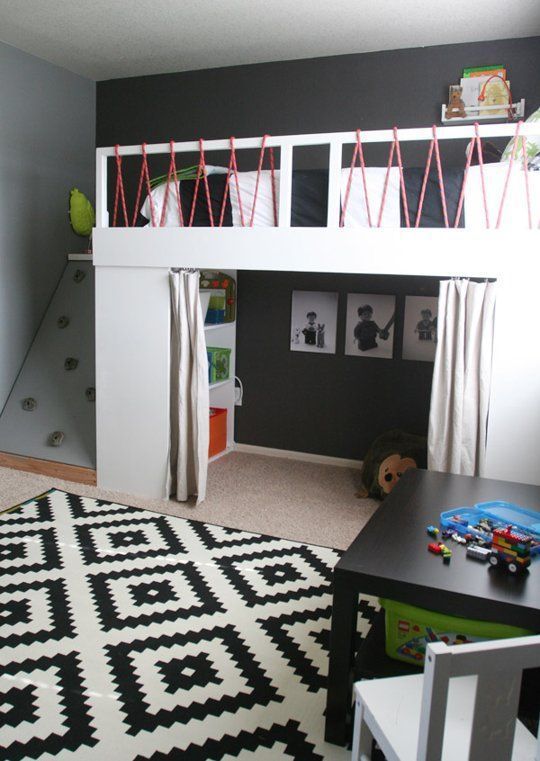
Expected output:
{"points": [[410, 629], [218, 431], [219, 364], [215, 314]]}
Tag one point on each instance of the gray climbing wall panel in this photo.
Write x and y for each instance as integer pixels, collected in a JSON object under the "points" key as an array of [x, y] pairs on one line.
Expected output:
{"points": [[63, 391]]}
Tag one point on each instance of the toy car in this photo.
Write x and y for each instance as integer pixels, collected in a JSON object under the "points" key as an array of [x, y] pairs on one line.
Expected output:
{"points": [[511, 549]]}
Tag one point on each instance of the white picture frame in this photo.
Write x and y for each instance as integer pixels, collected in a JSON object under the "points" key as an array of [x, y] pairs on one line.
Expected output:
{"points": [[314, 321], [370, 325], [420, 328]]}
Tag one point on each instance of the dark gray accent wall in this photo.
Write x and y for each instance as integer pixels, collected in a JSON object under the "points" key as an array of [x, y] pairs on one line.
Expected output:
{"points": [[332, 405], [47, 142]]}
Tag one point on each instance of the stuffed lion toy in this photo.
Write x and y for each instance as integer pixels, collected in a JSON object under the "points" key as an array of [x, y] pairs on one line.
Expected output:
{"points": [[390, 455]]}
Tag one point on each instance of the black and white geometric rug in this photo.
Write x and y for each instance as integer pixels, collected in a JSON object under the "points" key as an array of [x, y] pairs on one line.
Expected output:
{"points": [[127, 634]]}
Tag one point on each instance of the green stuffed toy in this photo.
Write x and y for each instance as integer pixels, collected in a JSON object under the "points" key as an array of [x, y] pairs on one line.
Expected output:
{"points": [[390, 455], [81, 213]]}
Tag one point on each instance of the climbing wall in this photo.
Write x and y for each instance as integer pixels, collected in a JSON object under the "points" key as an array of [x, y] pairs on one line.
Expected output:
{"points": [[50, 413]]}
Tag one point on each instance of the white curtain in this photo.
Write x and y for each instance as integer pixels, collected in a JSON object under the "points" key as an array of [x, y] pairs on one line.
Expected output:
{"points": [[189, 389], [461, 378]]}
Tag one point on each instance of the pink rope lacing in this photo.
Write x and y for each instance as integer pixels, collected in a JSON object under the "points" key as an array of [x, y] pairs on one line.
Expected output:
{"points": [[257, 181], [144, 176], [119, 192], [171, 177], [233, 170], [474, 143], [394, 148], [433, 149], [508, 173], [482, 177], [201, 171], [401, 179], [358, 153]]}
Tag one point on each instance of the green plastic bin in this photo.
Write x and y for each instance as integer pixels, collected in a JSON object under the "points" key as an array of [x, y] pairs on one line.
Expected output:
{"points": [[409, 630], [219, 364]]}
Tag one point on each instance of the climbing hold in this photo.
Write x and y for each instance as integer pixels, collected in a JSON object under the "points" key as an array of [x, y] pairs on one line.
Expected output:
{"points": [[63, 321], [91, 394], [79, 276], [29, 404], [71, 363], [56, 438]]}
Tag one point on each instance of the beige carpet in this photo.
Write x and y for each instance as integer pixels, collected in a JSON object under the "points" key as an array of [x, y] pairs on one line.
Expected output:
{"points": [[310, 503]]}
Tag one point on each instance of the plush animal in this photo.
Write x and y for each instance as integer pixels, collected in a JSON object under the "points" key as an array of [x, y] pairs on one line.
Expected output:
{"points": [[390, 455], [456, 106], [81, 213]]}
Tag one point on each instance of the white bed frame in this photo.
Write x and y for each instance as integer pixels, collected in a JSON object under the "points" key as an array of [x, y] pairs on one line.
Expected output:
{"points": [[132, 301]]}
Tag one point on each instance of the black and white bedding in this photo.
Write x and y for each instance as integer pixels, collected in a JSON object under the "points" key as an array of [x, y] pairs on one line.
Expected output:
{"points": [[310, 197]]}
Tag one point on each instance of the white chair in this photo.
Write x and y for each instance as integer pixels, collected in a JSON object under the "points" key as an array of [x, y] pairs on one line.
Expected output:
{"points": [[463, 707]]}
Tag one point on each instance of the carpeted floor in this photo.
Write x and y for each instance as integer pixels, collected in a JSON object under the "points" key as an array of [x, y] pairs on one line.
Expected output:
{"points": [[294, 500], [143, 637]]}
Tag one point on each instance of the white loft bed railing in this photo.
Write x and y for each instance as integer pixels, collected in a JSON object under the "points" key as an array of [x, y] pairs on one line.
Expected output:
{"points": [[400, 251], [287, 143]]}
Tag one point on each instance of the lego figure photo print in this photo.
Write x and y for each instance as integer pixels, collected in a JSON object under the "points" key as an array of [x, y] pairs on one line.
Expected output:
{"points": [[420, 328], [370, 325], [314, 321]]}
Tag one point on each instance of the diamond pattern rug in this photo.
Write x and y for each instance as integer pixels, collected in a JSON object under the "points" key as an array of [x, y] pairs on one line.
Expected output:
{"points": [[128, 634]]}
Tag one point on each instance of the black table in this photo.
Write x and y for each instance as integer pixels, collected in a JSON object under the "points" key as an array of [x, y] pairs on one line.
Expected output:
{"points": [[389, 558]]}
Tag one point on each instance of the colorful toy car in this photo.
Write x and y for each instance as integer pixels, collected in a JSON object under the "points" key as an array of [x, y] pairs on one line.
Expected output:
{"points": [[511, 549]]}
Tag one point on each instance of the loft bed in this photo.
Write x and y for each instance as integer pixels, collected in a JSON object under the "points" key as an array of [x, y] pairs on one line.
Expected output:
{"points": [[132, 263], [352, 249]]}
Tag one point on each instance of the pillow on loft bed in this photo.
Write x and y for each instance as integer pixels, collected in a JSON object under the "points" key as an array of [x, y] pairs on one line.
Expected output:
{"points": [[310, 196], [533, 145], [217, 178], [309, 201], [515, 214]]}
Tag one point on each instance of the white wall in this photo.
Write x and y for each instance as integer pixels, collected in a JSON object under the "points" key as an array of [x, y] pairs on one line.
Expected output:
{"points": [[513, 446], [47, 139]]}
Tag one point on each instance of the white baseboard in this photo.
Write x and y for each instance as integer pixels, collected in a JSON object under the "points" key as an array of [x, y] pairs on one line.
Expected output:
{"points": [[289, 454]]}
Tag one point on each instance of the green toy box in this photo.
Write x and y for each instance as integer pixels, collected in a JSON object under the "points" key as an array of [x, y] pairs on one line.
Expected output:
{"points": [[219, 364], [409, 630]]}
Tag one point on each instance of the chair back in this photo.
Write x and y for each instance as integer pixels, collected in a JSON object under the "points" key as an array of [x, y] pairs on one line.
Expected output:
{"points": [[499, 665]]}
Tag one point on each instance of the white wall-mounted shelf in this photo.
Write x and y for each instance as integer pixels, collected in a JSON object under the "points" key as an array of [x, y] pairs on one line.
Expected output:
{"points": [[220, 383], [80, 257], [518, 112], [220, 325]]}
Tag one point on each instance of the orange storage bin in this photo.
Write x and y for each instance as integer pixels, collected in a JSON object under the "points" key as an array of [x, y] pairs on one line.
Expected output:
{"points": [[218, 431]]}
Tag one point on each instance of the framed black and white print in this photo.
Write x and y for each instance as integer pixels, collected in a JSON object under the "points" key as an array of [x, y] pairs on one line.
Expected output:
{"points": [[420, 328], [370, 325], [314, 322]]}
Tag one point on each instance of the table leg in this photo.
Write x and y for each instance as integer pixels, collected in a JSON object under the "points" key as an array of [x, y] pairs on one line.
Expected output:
{"points": [[342, 641]]}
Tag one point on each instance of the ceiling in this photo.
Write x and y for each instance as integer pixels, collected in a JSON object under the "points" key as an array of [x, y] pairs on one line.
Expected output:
{"points": [[105, 39]]}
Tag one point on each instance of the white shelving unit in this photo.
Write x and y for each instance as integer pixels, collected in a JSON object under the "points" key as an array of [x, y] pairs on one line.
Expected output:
{"points": [[474, 115], [222, 393]]}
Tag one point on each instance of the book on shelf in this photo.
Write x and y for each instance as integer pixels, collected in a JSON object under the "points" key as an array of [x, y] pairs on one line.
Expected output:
{"points": [[484, 71], [495, 93]]}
